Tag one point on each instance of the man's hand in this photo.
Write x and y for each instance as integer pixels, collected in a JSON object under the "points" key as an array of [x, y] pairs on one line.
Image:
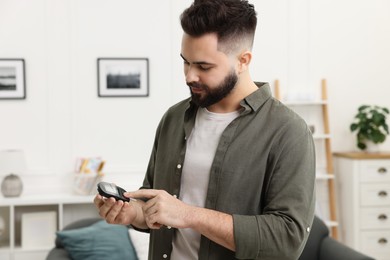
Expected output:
{"points": [[116, 212], [163, 209]]}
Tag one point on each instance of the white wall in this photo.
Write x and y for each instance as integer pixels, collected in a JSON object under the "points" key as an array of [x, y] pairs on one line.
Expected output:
{"points": [[346, 42], [298, 42]]}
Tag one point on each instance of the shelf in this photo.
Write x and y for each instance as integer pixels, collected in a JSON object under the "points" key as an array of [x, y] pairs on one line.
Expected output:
{"points": [[68, 208], [18, 248], [323, 176], [330, 223], [363, 155], [4, 248], [305, 103], [321, 136], [47, 200]]}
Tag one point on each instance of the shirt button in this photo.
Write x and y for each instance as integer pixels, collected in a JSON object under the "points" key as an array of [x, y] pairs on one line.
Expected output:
{"points": [[179, 166], [165, 255], [169, 227], [175, 196], [308, 229]]}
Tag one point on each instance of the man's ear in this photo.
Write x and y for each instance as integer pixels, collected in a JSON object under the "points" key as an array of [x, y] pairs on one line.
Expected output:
{"points": [[244, 59]]}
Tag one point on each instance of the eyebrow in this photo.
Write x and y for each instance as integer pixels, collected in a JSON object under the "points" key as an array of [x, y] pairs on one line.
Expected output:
{"points": [[197, 62]]}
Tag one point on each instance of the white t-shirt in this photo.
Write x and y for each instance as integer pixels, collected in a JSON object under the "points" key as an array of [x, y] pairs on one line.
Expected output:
{"points": [[201, 147]]}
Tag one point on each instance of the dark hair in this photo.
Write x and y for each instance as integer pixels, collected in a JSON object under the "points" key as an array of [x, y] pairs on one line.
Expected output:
{"points": [[231, 20]]}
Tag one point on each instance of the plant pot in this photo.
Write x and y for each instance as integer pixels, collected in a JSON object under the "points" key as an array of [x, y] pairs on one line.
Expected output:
{"points": [[372, 147]]}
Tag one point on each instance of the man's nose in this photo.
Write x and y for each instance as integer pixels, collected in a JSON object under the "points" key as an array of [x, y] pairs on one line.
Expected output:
{"points": [[191, 75]]}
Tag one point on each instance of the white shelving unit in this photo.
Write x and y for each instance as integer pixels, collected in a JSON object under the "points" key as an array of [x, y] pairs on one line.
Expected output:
{"points": [[68, 208], [315, 113]]}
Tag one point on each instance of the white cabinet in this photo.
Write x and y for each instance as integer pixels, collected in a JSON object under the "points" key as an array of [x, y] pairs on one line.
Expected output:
{"points": [[363, 185], [68, 208]]}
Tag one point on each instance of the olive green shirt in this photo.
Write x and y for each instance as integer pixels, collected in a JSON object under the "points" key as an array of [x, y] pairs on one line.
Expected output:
{"points": [[263, 174]]}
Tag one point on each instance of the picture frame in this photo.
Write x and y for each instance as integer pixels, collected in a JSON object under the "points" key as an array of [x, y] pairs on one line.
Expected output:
{"points": [[123, 77], [12, 79]]}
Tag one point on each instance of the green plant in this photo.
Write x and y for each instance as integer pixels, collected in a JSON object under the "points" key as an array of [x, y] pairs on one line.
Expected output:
{"points": [[370, 124]]}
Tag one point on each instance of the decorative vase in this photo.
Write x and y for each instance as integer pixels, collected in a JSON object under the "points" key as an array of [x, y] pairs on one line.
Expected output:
{"points": [[11, 186]]}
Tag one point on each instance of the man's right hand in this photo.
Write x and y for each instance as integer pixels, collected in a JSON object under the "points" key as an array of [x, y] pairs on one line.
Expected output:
{"points": [[118, 212]]}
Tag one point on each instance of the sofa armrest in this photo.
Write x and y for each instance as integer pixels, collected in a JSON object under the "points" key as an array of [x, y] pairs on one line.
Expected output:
{"points": [[58, 254], [332, 249]]}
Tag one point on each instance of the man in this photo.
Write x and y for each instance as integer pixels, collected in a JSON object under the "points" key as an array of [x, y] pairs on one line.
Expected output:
{"points": [[232, 170]]}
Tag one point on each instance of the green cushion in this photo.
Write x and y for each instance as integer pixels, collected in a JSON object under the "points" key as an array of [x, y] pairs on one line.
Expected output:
{"points": [[98, 241]]}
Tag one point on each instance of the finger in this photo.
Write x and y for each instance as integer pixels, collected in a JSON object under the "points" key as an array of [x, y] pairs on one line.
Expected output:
{"points": [[114, 212], [126, 195], [149, 208], [106, 207], [98, 201], [143, 193], [123, 214], [151, 221], [155, 226]]}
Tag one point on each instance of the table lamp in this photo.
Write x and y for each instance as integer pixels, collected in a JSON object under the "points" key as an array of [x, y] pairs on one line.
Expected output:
{"points": [[12, 162]]}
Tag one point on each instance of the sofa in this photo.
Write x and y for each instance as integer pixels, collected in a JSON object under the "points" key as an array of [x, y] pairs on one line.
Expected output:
{"points": [[94, 239], [59, 252], [320, 246]]}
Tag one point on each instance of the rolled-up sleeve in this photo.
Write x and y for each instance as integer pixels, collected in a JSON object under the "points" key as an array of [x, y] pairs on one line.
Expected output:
{"points": [[281, 231]]}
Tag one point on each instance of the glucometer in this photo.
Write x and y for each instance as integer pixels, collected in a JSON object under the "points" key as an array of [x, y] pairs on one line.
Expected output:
{"points": [[111, 190]]}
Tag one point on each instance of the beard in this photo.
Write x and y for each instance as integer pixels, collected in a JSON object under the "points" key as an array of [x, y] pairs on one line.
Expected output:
{"points": [[214, 95]]}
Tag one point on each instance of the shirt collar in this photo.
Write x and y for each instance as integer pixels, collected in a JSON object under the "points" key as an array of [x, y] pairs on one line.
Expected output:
{"points": [[256, 99]]}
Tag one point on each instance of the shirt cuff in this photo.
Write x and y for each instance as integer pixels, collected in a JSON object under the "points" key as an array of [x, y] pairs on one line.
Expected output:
{"points": [[246, 236]]}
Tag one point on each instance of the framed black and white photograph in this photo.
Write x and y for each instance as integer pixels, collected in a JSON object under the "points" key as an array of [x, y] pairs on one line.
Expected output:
{"points": [[123, 77], [12, 79]]}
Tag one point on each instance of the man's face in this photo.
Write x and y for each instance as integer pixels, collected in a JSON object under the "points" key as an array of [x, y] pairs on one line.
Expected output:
{"points": [[205, 96], [209, 73]]}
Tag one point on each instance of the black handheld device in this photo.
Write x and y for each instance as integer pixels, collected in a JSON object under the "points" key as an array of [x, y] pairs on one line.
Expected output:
{"points": [[111, 190]]}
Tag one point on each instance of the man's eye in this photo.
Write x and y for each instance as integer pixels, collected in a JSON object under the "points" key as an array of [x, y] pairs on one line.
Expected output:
{"points": [[204, 68]]}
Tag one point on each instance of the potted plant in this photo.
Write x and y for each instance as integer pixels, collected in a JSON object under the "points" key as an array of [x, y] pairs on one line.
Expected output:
{"points": [[370, 124]]}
